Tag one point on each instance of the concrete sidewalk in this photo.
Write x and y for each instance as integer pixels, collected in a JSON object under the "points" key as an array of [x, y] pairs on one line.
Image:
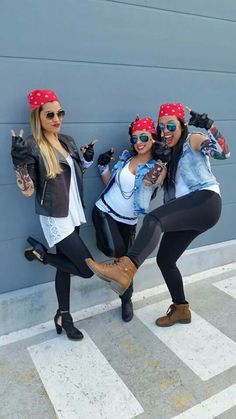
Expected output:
{"points": [[129, 370]]}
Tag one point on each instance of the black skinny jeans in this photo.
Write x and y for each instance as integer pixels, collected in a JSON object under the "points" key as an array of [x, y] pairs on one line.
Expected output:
{"points": [[69, 259], [113, 239], [181, 220]]}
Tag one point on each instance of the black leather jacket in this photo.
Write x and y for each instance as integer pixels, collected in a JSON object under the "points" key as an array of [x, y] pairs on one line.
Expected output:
{"points": [[52, 195]]}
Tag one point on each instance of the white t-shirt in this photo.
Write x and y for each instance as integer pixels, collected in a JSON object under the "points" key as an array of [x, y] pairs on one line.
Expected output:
{"points": [[124, 181], [56, 229]]}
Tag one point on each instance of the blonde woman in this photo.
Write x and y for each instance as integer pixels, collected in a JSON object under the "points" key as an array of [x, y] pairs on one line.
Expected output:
{"points": [[48, 163]]}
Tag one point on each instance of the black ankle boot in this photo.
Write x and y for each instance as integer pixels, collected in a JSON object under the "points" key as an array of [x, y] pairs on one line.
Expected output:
{"points": [[127, 310], [38, 251], [67, 325]]}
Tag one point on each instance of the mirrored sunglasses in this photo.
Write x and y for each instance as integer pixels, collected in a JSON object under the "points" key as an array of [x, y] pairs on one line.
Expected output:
{"points": [[171, 127], [60, 114], [143, 138]]}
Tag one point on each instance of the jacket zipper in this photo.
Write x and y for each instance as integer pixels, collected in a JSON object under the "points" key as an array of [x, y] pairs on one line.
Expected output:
{"points": [[43, 194]]}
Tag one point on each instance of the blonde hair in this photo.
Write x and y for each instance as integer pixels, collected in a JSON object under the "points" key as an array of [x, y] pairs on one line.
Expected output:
{"points": [[48, 153]]}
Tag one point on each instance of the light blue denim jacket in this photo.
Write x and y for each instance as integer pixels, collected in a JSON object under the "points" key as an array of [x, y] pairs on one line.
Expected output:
{"points": [[195, 170], [142, 193]]}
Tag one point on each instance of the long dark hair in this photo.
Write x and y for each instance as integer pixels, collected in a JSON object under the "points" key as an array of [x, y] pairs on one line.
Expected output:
{"points": [[172, 155], [176, 154]]}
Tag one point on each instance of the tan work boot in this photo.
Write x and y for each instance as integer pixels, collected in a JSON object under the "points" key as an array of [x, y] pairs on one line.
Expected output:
{"points": [[176, 313], [119, 273]]}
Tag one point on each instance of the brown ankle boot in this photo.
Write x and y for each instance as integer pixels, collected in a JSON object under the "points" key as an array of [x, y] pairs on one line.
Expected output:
{"points": [[176, 313], [119, 273]]}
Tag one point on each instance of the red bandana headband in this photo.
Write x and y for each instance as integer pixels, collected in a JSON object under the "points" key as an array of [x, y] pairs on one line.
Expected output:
{"points": [[144, 124], [172, 109], [38, 98]]}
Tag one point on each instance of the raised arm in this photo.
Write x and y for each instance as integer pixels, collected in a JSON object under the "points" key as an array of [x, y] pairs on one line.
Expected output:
{"points": [[214, 144], [103, 165], [88, 154]]}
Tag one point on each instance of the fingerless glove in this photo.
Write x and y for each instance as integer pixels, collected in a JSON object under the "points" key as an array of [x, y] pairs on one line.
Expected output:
{"points": [[200, 120]]}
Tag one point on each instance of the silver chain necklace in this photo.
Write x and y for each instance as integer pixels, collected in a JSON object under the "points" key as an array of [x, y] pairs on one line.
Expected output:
{"points": [[125, 194]]}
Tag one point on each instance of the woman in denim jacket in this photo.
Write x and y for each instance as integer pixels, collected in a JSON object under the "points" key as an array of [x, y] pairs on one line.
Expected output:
{"points": [[192, 205], [127, 195]]}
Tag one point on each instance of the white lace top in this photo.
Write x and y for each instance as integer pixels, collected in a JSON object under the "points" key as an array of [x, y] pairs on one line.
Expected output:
{"points": [[57, 229]]}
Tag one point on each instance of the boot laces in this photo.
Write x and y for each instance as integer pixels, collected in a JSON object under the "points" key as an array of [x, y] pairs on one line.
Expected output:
{"points": [[171, 310], [114, 263]]}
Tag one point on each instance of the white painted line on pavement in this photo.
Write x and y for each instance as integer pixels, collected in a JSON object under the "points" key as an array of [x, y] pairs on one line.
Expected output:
{"points": [[228, 286], [212, 407], [80, 382], [202, 347], [102, 308]]}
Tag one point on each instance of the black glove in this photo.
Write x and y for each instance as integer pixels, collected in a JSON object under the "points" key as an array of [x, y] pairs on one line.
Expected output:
{"points": [[105, 158], [19, 151], [89, 152], [200, 120], [160, 151]]}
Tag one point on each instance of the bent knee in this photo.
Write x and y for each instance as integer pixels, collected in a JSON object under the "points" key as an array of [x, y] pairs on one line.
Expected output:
{"points": [[150, 221]]}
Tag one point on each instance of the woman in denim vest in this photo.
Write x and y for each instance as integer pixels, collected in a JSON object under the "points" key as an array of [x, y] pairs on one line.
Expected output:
{"points": [[126, 196], [192, 205]]}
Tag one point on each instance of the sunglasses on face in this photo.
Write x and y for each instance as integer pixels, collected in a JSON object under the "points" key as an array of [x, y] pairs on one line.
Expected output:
{"points": [[50, 115], [143, 138], [171, 127]]}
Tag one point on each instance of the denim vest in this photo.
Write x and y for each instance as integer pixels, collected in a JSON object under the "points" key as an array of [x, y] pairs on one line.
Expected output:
{"points": [[195, 170], [142, 193]]}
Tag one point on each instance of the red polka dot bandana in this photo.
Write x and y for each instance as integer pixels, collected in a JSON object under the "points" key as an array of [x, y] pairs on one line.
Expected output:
{"points": [[172, 109], [38, 98], [144, 124]]}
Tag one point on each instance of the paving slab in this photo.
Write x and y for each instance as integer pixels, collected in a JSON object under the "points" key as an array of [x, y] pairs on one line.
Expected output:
{"points": [[126, 370]]}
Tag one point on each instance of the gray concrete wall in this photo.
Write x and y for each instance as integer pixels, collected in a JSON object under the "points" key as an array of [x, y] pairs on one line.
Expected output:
{"points": [[108, 61]]}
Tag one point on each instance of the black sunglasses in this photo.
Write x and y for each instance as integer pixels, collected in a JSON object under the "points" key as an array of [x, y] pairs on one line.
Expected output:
{"points": [[171, 126], [60, 114], [143, 138]]}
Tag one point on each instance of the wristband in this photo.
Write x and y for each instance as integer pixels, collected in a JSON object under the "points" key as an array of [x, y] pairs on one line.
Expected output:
{"points": [[103, 169]]}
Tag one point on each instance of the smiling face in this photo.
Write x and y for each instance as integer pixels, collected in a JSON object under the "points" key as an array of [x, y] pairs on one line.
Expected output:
{"points": [[170, 136], [51, 117], [144, 142]]}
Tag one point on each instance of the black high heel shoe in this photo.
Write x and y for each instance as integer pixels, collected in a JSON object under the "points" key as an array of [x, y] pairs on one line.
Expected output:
{"points": [[38, 251], [67, 325]]}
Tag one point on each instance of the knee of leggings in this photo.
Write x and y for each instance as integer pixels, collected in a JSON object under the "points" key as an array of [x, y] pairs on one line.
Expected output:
{"points": [[151, 222]]}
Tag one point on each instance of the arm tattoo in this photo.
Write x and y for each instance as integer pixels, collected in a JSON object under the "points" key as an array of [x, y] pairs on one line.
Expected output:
{"points": [[24, 181], [215, 145]]}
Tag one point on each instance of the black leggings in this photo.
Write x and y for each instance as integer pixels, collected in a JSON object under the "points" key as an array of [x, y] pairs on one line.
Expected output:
{"points": [[181, 221], [69, 259], [113, 238]]}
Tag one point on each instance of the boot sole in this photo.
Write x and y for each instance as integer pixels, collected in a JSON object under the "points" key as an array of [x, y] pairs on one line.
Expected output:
{"points": [[115, 286], [172, 324]]}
